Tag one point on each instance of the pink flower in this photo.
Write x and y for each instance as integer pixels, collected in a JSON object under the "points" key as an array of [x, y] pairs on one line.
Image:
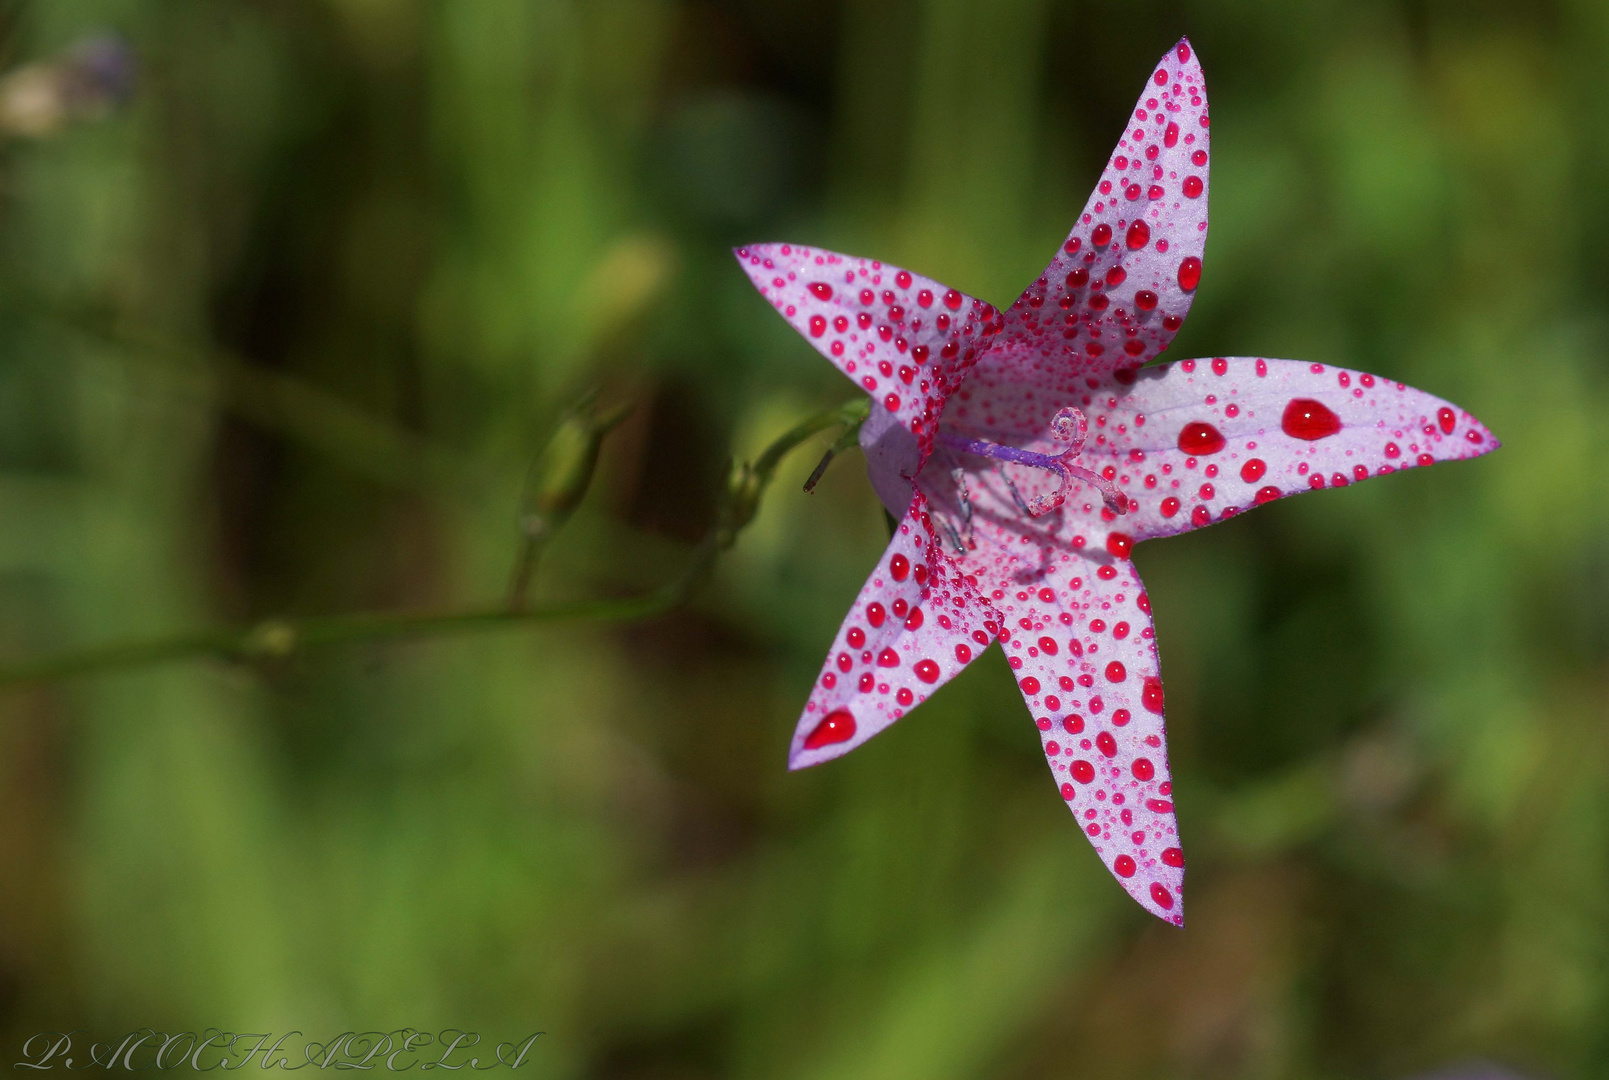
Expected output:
{"points": [[1026, 452]]}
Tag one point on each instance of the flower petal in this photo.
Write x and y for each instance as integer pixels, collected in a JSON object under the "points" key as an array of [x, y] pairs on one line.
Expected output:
{"points": [[1121, 285], [903, 338], [1084, 653], [915, 625], [1200, 440]]}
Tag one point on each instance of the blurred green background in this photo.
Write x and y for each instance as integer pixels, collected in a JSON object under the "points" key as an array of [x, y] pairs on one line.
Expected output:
{"points": [[330, 239]]}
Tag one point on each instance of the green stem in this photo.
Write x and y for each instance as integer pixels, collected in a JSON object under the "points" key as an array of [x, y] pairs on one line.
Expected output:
{"points": [[275, 638]]}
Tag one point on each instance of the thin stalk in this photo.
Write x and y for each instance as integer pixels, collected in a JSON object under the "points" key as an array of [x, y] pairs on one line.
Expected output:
{"points": [[277, 638]]}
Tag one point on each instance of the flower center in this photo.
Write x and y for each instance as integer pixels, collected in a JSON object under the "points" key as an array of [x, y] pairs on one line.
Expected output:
{"points": [[1069, 426]]}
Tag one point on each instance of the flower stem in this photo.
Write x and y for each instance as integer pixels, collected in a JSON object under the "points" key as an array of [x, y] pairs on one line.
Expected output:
{"points": [[277, 638]]}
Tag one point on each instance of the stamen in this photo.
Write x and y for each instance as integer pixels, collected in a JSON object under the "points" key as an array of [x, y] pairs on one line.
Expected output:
{"points": [[1069, 426]]}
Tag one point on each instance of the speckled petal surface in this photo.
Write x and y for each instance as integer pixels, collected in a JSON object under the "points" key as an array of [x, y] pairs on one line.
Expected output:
{"points": [[1200, 440], [1122, 282], [915, 625], [904, 339], [1084, 654]]}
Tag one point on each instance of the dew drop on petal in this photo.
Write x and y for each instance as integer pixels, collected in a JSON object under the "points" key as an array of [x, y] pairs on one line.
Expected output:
{"points": [[1201, 438], [1190, 274], [836, 727], [1309, 420]]}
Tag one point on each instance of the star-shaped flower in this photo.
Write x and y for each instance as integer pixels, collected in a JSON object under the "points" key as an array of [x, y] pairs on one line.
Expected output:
{"points": [[1026, 452]]}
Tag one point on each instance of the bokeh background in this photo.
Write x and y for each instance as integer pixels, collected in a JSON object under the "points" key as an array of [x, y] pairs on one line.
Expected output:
{"points": [[328, 240]]}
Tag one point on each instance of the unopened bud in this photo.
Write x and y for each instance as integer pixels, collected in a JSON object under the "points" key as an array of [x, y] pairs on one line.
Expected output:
{"points": [[562, 474]]}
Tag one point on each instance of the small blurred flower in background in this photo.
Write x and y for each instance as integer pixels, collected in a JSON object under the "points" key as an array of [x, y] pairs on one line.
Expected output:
{"points": [[87, 82]]}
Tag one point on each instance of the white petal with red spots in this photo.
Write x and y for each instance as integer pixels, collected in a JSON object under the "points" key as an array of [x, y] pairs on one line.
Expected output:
{"points": [[1121, 284], [915, 625], [1200, 440], [1084, 653], [904, 339]]}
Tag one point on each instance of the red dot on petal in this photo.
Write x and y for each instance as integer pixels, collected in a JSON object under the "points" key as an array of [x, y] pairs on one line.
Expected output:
{"points": [[838, 726]]}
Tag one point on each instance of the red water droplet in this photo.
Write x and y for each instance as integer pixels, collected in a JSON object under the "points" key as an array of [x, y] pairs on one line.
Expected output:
{"points": [[1173, 856], [818, 325], [1170, 137], [899, 567], [1160, 806], [1189, 273], [904, 696], [874, 615], [1163, 898], [1192, 187], [927, 671], [1253, 470], [1170, 506], [1199, 158], [1267, 494], [903, 279], [1143, 602], [1106, 573], [1102, 235], [888, 658], [1145, 300], [1116, 672], [1083, 771], [1119, 544], [821, 290], [1308, 419], [1030, 685], [924, 298], [963, 653], [856, 637], [1143, 769], [1160, 78], [1138, 236], [1183, 51], [913, 621], [1200, 439], [1106, 744], [1074, 724], [1445, 417], [952, 300], [1200, 516], [1116, 276], [1151, 695], [1121, 717], [836, 727], [1048, 647], [1078, 278], [1124, 866]]}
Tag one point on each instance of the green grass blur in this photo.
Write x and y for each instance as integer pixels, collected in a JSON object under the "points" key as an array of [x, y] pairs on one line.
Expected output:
{"points": [[1387, 703]]}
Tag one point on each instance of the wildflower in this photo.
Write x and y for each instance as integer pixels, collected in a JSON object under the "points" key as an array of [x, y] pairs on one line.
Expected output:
{"points": [[1025, 452]]}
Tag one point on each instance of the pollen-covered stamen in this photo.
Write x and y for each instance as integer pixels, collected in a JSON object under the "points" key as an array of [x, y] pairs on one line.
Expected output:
{"points": [[1068, 425]]}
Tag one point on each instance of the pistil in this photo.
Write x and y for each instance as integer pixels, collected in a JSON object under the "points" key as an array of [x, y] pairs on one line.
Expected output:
{"points": [[1069, 426]]}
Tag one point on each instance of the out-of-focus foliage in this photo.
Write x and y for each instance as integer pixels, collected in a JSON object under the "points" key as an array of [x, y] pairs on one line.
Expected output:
{"points": [[1386, 704]]}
